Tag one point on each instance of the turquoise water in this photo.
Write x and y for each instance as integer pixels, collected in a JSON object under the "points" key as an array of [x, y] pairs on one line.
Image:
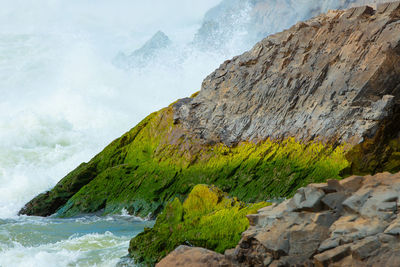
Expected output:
{"points": [[85, 241]]}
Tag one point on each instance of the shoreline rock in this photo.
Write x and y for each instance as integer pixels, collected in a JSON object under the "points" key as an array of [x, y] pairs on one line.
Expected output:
{"points": [[361, 228]]}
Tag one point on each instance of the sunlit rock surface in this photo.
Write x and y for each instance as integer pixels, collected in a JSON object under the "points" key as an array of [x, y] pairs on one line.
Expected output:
{"points": [[332, 78]]}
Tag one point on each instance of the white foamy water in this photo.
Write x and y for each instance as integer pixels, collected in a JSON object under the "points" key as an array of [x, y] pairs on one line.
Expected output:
{"points": [[88, 241], [62, 99]]}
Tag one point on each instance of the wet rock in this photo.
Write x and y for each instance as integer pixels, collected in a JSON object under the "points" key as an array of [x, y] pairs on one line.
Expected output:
{"points": [[141, 57], [248, 21]]}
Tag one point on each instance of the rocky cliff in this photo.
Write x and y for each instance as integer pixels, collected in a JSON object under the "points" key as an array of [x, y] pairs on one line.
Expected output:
{"points": [[314, 102], [352, 222], [334, 78]]}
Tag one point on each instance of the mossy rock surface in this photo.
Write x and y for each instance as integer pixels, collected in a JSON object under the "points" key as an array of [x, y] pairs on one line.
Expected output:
{"points": [[208, 218], [158, 160]]}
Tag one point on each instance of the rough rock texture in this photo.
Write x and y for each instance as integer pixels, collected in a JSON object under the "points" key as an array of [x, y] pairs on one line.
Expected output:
{"points": [[193, 257], [157, 161], [333, 78], [353, 222], [356, 223]]}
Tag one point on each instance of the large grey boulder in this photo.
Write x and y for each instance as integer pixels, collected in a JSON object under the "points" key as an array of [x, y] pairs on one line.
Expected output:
{"points": [[364, 232]]}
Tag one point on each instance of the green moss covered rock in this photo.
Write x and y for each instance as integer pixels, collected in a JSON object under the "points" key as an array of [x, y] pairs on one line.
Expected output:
{"points": [[157, 161], [207, 218]]}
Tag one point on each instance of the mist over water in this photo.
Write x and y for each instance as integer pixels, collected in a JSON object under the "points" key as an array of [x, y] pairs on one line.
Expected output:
{"points": [[63, 100]]}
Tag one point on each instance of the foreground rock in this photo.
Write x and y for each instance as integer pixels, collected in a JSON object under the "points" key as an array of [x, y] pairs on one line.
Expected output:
{"points": [[193, 257], [353, 222]]}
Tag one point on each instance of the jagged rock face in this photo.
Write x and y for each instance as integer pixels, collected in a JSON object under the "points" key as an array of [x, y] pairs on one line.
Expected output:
{"points": [[333, 78], [353, 222]]}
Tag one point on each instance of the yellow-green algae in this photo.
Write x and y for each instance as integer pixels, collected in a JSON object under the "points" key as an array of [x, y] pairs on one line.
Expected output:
{"points": [[207, 218], [157, 161], [148, 166]]}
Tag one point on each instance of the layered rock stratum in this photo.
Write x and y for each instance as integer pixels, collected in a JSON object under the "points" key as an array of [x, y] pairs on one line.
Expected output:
{"points": [[352, 222], [334, 78], [315, 102]]}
